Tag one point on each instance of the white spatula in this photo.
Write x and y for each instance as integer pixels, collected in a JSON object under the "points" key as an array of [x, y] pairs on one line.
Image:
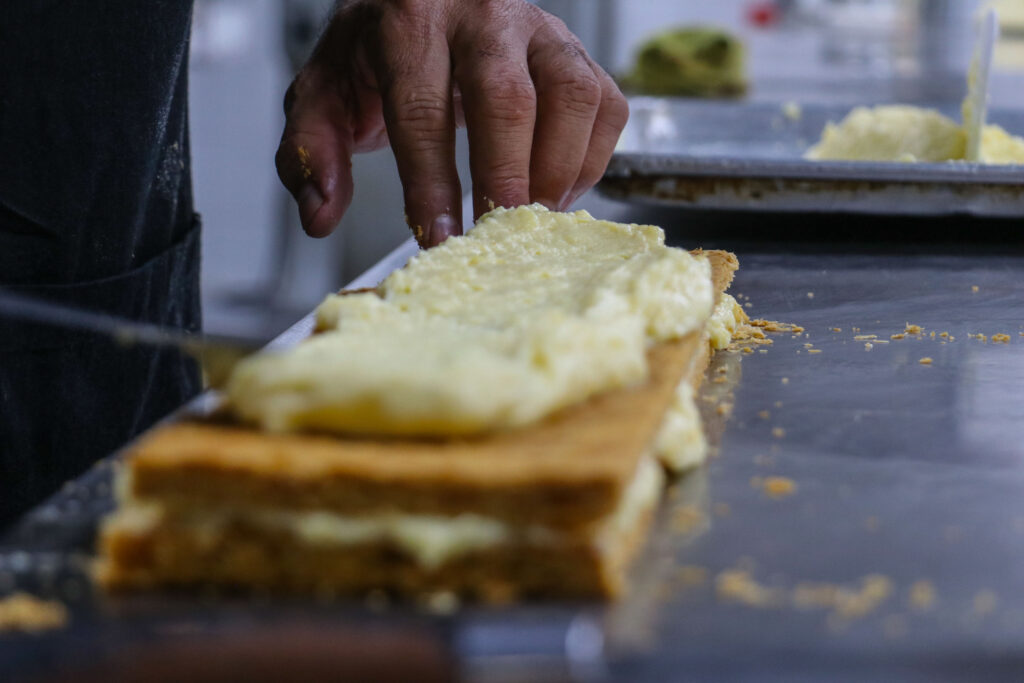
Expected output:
{"points": [[975, 108]]}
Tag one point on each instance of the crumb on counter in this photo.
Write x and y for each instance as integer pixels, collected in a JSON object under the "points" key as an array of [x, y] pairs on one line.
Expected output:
{"points": [[814, 351], [810, 295], [778, 432], [975, 288], [737, 585], [764, 414], [865, 337], [1001, 338], [776, 326], [837, 329], [913, 329], [785, 380], [926, 361], [869, 346], [24, 612], [778, 487]]}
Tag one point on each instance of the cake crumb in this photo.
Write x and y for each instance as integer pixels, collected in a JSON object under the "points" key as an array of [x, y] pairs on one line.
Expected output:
{"points": [[814, 351], [27, 613], [869, 346], [926, 361], [856, 329], [913, 329], [785, 380], [944, 335], [837, 329], [778, 432], [865, 337], [747, 349], [775, 326], [808, 346], [897, 337], [974, 288], [736, 585], [778, 404], [922, 595], [778, 487], [810, 295], [1001, 338], [764, 414]]}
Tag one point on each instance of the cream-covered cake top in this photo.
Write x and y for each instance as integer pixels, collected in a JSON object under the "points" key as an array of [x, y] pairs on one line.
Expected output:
{"points": [[530, 312]]}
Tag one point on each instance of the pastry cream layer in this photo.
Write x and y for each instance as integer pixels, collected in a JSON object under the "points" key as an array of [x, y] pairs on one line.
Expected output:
{"points": [[910, 134], [429, 540], [727, 316], [530, 312]]}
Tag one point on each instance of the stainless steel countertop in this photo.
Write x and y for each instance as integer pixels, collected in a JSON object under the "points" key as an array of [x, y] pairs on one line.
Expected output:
{"points": [[908, 471]]}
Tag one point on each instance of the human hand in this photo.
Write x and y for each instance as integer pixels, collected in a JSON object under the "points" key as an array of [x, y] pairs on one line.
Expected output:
{"points": [[542, 117]]}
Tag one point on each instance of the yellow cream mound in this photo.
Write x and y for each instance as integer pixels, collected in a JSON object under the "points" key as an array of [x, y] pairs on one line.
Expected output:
{"points": [[910, 134], [727, 316], [530, 312]]}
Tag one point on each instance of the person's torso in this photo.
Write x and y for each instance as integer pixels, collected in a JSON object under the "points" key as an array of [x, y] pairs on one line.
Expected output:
{"points": [[94, 156]]}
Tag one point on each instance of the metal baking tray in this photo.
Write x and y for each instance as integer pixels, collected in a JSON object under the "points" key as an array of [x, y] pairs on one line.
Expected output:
{"points": [[749, 156]]}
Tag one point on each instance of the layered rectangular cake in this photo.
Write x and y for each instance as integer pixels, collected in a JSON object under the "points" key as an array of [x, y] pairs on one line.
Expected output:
{"points": [[339, 476]]}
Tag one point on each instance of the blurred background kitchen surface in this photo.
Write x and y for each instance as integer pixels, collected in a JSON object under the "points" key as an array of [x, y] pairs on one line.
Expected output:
{"points": [[261, 273]]}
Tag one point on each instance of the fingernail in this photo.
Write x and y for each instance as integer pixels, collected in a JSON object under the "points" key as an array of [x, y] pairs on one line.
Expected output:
{"points": [[310, 200], [443, 227]]}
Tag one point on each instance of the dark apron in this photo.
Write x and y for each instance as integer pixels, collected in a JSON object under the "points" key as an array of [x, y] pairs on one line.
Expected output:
{"points": [[96, 212]]}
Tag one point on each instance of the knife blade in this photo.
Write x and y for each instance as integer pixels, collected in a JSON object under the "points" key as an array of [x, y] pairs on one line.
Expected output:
{"points": [[217, 354]]}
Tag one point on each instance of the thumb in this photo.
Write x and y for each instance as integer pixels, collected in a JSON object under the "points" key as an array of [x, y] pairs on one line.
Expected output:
{"points": [[314, 159]]}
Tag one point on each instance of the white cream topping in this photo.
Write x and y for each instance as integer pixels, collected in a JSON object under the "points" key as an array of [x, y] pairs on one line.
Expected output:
{"points": [[530, 312], [727, 316], [680, 444]]}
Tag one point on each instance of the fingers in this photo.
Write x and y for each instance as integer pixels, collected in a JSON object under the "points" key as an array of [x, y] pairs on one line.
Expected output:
{"points": [[414, 74], [612, 115], [569, 95], [314, 159], [499, 104]]}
